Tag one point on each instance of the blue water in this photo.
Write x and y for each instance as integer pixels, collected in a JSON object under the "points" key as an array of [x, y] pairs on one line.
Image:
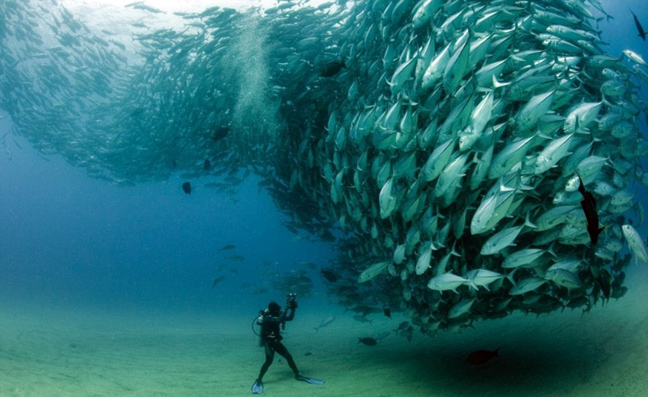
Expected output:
{"points": [[69, 239]]}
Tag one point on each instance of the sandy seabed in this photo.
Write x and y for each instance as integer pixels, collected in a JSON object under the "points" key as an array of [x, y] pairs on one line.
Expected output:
{"points": [[69, 351]]}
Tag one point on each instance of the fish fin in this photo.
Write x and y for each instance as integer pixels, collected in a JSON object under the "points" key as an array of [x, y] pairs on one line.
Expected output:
{"points": [[454, 252], [527, 221], [510, 278], [525, 187], [600, 229], [543, 135], [503, 188], [497, 84], [581, 187], [551, 250]]}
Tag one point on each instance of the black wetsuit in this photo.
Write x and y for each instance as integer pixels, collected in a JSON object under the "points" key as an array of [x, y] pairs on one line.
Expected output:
{"points": [[271, 341]]}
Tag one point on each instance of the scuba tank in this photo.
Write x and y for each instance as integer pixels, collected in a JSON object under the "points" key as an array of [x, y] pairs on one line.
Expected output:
{"points": [[290, 303], [258, 321]]}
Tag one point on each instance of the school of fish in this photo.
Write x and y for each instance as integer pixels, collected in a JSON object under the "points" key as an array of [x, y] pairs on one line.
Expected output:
{"points": [[460, 153]]}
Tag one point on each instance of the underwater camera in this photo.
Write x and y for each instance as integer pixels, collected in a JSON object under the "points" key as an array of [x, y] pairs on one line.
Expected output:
{"points": [[291, 301]]}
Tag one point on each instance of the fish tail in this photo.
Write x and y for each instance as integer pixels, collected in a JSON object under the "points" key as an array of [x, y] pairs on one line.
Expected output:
{"points": [[498, 84], [510, 276], [454, 251], [503, 187], [528, 223], [543, 135]]}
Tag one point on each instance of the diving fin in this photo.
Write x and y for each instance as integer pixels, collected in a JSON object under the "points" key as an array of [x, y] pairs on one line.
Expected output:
{"points": [[312, 381], [257, 387]]}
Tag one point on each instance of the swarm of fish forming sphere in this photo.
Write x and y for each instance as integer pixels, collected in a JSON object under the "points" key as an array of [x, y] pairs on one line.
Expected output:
{"points": [[468, 135]]}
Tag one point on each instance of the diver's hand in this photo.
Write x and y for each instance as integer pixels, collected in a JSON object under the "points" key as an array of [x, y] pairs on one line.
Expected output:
{"points": [[293, 305]]}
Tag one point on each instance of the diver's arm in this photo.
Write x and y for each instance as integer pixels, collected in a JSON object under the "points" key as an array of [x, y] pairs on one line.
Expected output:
{"points": [[281, 318], [289, 317]]}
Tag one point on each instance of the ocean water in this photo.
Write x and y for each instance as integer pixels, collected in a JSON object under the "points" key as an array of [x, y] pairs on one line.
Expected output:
{"points": [[110, 290]]}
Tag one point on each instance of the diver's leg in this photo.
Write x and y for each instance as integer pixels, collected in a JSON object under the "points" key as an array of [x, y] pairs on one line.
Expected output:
{"points": [[269, 353], [281, 349]]}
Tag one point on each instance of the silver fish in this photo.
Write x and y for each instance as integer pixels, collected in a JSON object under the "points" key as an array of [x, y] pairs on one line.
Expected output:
{"points": [[445, 282], [635, 243]]}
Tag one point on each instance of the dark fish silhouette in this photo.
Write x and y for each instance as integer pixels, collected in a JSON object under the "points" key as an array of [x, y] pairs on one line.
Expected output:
{"points": [[220, 133], [186, 187], [402, 326], [604, 282], [332, 68], [138, 112], [217, 281], [387, 311], [591, 212], [362, 319], [369, 341], [407, 333], [327, 237], [235, 258], [481, 356], [640, 29], [329, 275], [207, 165], [227, 247]]}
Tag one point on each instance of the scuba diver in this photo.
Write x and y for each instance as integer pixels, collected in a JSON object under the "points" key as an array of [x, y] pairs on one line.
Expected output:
{"points": [[270, 320]]}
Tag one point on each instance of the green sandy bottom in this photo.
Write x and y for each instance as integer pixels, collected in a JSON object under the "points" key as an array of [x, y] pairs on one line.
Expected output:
{"points": [[70, 352]]}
